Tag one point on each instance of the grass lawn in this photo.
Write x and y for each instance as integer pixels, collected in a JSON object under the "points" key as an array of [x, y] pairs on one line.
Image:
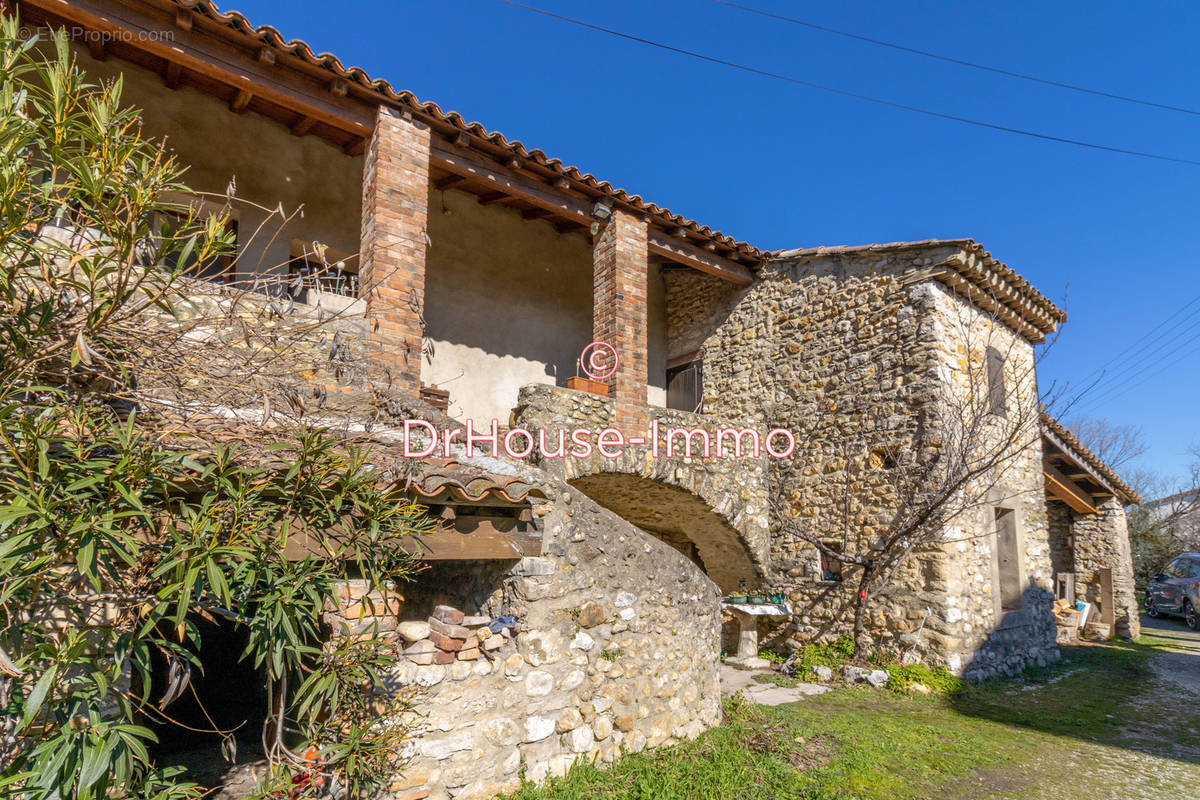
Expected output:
{"points": [[998, 739]]}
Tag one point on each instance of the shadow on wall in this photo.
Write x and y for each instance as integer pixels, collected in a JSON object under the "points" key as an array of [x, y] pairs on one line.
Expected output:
{"points": [[1025, 636]]}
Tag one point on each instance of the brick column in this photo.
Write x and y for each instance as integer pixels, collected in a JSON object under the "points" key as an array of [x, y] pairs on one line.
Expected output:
{"points": [[620, 269], [392, 259]]}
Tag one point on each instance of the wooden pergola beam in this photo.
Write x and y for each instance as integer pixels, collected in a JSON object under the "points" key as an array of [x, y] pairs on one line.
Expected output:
{"points": [[1063, 488], [214, 57], [448, 182], [664, 244], [241, 101], [503, 180]]}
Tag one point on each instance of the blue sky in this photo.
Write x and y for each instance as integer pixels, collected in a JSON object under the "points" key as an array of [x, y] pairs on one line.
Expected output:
{"points": [[1110, 237]]}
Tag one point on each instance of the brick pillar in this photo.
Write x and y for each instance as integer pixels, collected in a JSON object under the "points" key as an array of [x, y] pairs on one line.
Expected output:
{"points": [[620, 269], [392, 271]]}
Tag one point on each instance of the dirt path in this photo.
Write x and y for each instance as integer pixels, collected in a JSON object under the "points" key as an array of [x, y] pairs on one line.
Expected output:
{"points": [[1162, 757], [1181, 666]]}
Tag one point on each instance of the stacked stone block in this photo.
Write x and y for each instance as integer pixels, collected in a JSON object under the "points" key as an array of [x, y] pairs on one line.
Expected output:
{"points": [[604, 661]]}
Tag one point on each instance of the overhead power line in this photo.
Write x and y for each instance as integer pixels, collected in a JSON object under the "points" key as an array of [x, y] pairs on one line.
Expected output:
{"points": [[846, 93], [962, 63], [1137, 352]]}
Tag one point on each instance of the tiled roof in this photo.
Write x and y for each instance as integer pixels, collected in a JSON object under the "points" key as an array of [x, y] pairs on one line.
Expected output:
{"points": [[271, 37], [468, 484], [1089, 458], [1027, 302]]}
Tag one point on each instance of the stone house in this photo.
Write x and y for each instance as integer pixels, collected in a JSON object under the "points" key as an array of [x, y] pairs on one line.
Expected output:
{"points": [[476, 270]]}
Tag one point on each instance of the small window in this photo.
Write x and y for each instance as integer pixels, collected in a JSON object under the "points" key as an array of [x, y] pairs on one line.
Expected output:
{"points": [[831, 568], [685, 386], [997, 392]]}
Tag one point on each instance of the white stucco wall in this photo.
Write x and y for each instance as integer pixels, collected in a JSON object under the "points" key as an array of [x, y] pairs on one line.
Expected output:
{"points": [[508, 302], [270, 165]]}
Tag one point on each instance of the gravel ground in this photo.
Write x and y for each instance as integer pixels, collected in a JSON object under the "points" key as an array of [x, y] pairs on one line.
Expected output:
{"points": [[1182, 665], [1155, 765]]}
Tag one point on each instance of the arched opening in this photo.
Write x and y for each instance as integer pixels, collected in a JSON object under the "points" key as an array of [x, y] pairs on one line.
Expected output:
{"points": [[679, 518]]}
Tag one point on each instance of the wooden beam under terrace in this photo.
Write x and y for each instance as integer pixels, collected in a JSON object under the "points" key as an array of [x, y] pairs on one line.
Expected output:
{"points": [[1063, 488]]}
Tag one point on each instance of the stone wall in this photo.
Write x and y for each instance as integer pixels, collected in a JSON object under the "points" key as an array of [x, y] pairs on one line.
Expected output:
{"points": [[713, 509], [697, 304], [855, 353], [995, 636], [616, 648], [811, 348], [1100, 541]]}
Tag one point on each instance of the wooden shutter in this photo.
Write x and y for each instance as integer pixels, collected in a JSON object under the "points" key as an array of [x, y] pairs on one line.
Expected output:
{"points": [[685, 389]]}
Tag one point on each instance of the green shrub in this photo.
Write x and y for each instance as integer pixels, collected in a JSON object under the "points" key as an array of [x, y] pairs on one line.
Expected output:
{"points": [[771, 655], [823, 654], [939, 680]]}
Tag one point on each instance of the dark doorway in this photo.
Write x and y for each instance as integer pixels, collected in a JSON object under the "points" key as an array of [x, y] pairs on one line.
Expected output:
{"points": [[229, 694]]}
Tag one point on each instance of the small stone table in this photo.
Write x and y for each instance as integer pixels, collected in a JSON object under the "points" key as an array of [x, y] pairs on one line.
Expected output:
{"points": [[746, 616]]}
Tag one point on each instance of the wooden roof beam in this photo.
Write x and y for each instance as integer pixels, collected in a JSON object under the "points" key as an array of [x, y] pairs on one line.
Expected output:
{"points": [[172, 75], [488, 198], [1063, 488], [302, 125], [482, 170], [448, 182], [662, 243], [204, 53], [241, 101]]}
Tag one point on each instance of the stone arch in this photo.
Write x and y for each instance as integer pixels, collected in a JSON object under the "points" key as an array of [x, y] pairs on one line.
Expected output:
{"points": [[715, 512], [679, 518]]}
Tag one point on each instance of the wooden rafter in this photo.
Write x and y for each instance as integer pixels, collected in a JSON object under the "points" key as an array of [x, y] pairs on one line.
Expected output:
{"points": [[574, 211], [172, 75], [448, 182], [213, 57], [302, 126], [488, 198], [241, 101], [1063, 488]]}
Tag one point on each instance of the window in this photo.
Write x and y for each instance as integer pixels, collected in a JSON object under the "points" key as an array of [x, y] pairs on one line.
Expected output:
{"points": [[997, 392], [1008, 559], [831, 568], [685, 384], [1176, 569]]}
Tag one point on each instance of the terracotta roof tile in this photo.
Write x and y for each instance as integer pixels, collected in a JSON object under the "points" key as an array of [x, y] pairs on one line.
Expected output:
{"points": [[467, 483]]}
